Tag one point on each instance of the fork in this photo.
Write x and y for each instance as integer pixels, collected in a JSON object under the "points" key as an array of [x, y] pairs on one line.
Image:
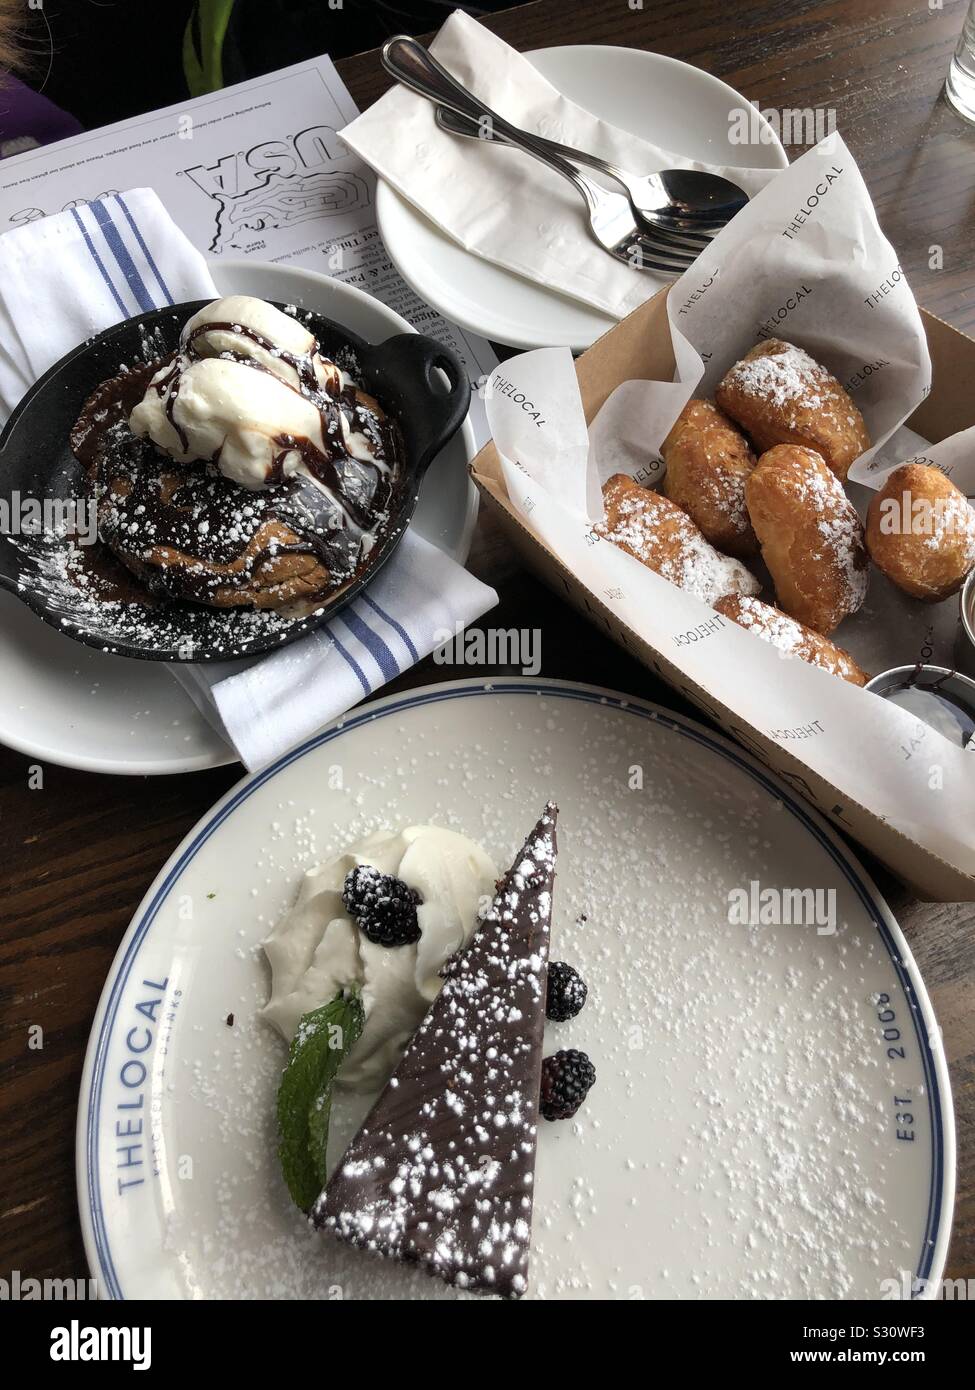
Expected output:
{"points": [[682, 199], [611, 218], [679, 198], [609, 212]]}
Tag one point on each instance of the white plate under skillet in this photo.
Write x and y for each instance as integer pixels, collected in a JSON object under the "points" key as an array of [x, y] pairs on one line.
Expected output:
{"points": [[674, 104], [69, 704], [771, 1116]]}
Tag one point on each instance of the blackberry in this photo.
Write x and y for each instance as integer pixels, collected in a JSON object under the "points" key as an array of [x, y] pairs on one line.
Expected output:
{"points": [[567, 1077], [384, 907], [566, 992]]}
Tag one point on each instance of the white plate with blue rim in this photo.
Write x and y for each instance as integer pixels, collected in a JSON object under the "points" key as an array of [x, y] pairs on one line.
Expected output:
{"points": [[69, 704], [771, 1116], [674, 104]]}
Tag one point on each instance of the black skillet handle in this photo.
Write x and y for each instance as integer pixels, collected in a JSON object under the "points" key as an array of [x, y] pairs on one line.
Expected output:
{"points": [[406, 381]]}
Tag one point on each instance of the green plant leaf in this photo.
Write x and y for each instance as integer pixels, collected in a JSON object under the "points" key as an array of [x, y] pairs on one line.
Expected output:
{"points": [[321, 1044], [319, 1114], [203, 61]]}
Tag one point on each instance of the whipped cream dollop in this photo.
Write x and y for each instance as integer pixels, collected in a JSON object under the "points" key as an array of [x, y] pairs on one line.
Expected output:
{"points": [[316, 951], [250, 391]]}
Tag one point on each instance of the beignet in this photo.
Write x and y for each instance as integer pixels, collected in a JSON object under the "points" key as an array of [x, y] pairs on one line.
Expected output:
{"points": [[921, 532], [780, 395], [790, 636], [708, 460], [810, 534], [665, 539]]}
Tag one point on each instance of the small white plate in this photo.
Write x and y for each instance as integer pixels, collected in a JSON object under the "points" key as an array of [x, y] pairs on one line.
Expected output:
{"points": [[66, 703], [662, 99], [771, 1116]]}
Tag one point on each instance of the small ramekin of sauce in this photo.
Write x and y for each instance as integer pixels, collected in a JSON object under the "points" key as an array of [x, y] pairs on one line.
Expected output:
{"points": [[942, 699]]}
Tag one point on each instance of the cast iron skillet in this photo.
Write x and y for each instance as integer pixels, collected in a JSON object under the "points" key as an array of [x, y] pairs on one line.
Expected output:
{"points": [[36, 462]]}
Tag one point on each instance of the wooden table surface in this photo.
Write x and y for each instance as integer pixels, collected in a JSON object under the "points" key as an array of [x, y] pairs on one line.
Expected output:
{"points": [[80, 852]]}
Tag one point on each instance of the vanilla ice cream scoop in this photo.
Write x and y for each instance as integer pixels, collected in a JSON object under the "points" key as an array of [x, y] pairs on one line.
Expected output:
{"points": [[316, 951], [249, 422], [250, 392], [246, 329]]}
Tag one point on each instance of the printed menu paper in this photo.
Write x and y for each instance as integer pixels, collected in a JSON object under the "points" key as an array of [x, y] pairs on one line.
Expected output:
{"points": [[254, 170]]}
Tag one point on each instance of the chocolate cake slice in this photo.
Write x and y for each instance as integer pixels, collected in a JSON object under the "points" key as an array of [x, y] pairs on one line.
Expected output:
{"points": [[441, 1172]]}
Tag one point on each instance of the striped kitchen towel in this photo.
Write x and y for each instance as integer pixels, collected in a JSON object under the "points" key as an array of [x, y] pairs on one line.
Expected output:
{"points": [[420, 600], [66, 277]]}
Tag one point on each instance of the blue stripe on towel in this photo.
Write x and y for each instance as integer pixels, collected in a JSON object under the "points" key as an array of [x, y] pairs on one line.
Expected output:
{"points": [[98, 261], [121, 253], [397, 627], [373, 644], [144, 248], [363, 681]]}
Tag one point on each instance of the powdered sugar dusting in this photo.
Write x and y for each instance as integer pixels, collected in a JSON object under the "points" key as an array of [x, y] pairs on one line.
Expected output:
{"points": [[741, 1140], [58, 569], [841, 530], [781, 377], [953, 523], [790, 637], [442, 1171], [771, 623], [665, 539]]}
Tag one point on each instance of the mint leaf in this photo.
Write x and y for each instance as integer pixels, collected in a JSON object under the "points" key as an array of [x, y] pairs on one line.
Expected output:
{"points": [[320, 1045], [319, 1113]]}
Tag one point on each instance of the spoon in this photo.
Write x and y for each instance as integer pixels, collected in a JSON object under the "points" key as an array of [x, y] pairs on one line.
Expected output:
{"points": [[684, 199]]}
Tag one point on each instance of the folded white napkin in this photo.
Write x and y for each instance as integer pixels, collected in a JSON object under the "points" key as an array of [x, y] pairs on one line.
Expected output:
{"points": [[421, 598], [499, 203], [66, 277]]}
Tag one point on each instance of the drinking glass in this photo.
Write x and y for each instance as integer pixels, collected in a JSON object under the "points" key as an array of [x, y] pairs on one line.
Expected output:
{"points": [[960, 85]]}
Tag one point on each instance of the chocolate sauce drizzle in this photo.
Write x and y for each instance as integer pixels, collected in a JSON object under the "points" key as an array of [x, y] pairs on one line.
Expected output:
{"points": [[325, 466], [302, 363], [173, 523]]}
